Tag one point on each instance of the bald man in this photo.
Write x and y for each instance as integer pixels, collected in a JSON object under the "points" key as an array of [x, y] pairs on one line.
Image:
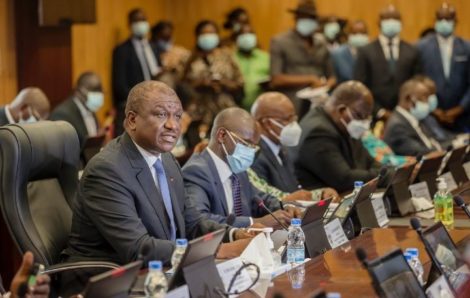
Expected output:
{"points": [[217, 181], [386, 63], [30, 105], [81, 107], [446, 59], [330, 152], [131, 193], [405, 132]]}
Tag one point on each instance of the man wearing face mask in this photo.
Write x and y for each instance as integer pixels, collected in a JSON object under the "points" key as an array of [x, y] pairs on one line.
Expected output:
{"points": [[217, 181], [386, 63], [134, 61], [330, 152], [344, 57], [333, 31], [30, 105], [298, 60], [404, 132], [80, 108], [253, 63], [276, 118], [446, 59]]}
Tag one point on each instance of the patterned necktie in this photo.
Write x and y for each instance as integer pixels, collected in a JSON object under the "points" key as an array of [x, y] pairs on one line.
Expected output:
{"points": [[236, 194], [165, 191], [391, 58]]}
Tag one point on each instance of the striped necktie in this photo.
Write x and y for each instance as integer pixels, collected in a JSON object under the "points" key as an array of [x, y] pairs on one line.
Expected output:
{"points": [[236, 194]]}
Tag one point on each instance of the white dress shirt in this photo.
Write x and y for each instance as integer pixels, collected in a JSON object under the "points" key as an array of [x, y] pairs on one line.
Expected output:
{"points": [[446, 46], [429, 142], [384, 42], [147, 58], [88, 118], [275, 148], [150, 159], [9, 116]]}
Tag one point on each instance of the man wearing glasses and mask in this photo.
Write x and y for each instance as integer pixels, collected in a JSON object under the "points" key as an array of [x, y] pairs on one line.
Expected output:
{"points": [[217, 181], [331, 153]]}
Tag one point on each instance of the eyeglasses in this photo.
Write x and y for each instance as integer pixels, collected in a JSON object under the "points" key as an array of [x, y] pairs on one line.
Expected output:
{"points": [[246, 143]]}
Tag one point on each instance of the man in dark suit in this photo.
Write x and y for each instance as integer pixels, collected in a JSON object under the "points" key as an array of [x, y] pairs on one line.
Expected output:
{"points": [[330, 153], [30, 105], [216, 179], [446, 59], [386, 63], [80, 108], [134, 61], [131, 194], [277, 120], [405, 133]]}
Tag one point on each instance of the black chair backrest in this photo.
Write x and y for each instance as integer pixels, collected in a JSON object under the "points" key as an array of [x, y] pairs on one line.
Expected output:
{"points": [[39, 178]]}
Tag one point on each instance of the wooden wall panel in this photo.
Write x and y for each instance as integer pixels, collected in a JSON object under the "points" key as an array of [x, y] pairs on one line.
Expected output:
{"points": [[8, 81]]}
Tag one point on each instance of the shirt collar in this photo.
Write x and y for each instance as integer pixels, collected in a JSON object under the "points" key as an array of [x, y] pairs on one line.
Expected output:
{"points": [[8, 114], [222, 167], [149, 158], [410, 118], [443, 40], [275, 148], [384, 40]]}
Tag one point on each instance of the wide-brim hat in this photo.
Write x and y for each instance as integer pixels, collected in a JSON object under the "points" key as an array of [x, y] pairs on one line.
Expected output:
{"points": [[307, 7]]}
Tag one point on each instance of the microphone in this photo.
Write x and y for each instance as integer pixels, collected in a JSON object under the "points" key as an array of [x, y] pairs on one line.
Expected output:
{"points": [[362, 256], [261, 204], [230, 219], [461, 203]]}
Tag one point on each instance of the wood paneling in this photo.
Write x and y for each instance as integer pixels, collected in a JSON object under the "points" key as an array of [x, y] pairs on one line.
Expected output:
{"points": [[8, 81]]}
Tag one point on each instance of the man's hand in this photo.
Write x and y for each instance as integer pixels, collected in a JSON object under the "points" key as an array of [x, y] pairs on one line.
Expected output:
{"points": [[453, 113], [233, 249], [440, 115], [40, 289], [299, 195], [269, 221], [293, 211], [330, 193]]}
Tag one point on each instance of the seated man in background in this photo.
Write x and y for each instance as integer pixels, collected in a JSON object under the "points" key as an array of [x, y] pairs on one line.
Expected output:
{"points": [[277, 120], [30, 105], [330, 153], [81, 107], [131, 194], [404, 132], [216, 180]]}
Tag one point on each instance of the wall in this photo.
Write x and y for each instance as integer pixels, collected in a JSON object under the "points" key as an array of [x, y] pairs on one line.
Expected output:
{"points": [[8, 81]]}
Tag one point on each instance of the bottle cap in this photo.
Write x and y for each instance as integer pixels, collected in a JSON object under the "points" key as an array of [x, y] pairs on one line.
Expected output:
{"points": [[333, 295], [441, 184], [358, 184], [407, 256], [155, 265], [414, 252], [182, 242], [296, 222]]}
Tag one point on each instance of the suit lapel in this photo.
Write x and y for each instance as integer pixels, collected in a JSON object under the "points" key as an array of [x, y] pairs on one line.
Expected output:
{"points": [[170, 176], [381, 56], [216, 180], [145, 178], [437, 55], [78, 115], [274, 161]]}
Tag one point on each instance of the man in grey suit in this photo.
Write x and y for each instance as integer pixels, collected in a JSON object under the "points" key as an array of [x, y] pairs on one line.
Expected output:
{"points": [[131, 194], [30, 105], [405, 132], [216, 179]]}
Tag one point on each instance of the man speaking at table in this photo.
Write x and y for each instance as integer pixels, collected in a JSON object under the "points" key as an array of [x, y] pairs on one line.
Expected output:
{"points": [[131, 194]]}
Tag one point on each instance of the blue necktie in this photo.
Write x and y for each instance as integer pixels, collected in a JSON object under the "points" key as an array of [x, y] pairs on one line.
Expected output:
{"points": [[236, 194], [165, 191]]}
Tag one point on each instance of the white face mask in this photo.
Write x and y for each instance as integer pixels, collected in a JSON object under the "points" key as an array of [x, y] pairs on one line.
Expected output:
{"points": [[290, 134], [94, 100], [140, 29], [356, 128]]}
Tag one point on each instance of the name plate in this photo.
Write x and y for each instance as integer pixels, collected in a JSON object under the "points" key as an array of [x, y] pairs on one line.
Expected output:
{"points": [[380, 212], [451, 185], [466, 167], [420, 190], [228, 269], [180, 292], [335, 233]]}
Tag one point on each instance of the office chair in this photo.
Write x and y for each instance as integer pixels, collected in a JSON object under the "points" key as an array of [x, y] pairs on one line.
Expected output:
{"points": [[39, 178]]}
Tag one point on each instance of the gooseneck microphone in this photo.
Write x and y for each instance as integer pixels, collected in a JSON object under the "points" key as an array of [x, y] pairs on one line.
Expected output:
{"points": [[261, 204], [461, 203]]}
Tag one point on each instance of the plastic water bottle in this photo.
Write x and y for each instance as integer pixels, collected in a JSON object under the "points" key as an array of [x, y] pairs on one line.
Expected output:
{"points": [[412, 256], [181, 245], [156, 284], [295, 242], [444, 204], [357, 187]]}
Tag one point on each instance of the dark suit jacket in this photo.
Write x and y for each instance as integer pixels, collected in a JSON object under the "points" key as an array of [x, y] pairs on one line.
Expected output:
{"points": [[2, 289], [3, 117], [119, 209], [454, 90], [403, 138], [343, 63], [440, 134], [204, 188], [329, 157], [68, 111], [268, 167], [373, 70]]}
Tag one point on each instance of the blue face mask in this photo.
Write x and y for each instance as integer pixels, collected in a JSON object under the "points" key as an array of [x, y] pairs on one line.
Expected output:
{"points": [[358, 40], [242, 157], [433, 102], [390, 27], [420, 110], [208, 41], [246, 41], [444, 27], [94, 100], [306, 26], [331, 30]]}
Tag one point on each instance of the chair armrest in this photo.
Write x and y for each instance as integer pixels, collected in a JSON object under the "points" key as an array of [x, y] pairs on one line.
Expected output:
{"points": [[79, 265]]}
